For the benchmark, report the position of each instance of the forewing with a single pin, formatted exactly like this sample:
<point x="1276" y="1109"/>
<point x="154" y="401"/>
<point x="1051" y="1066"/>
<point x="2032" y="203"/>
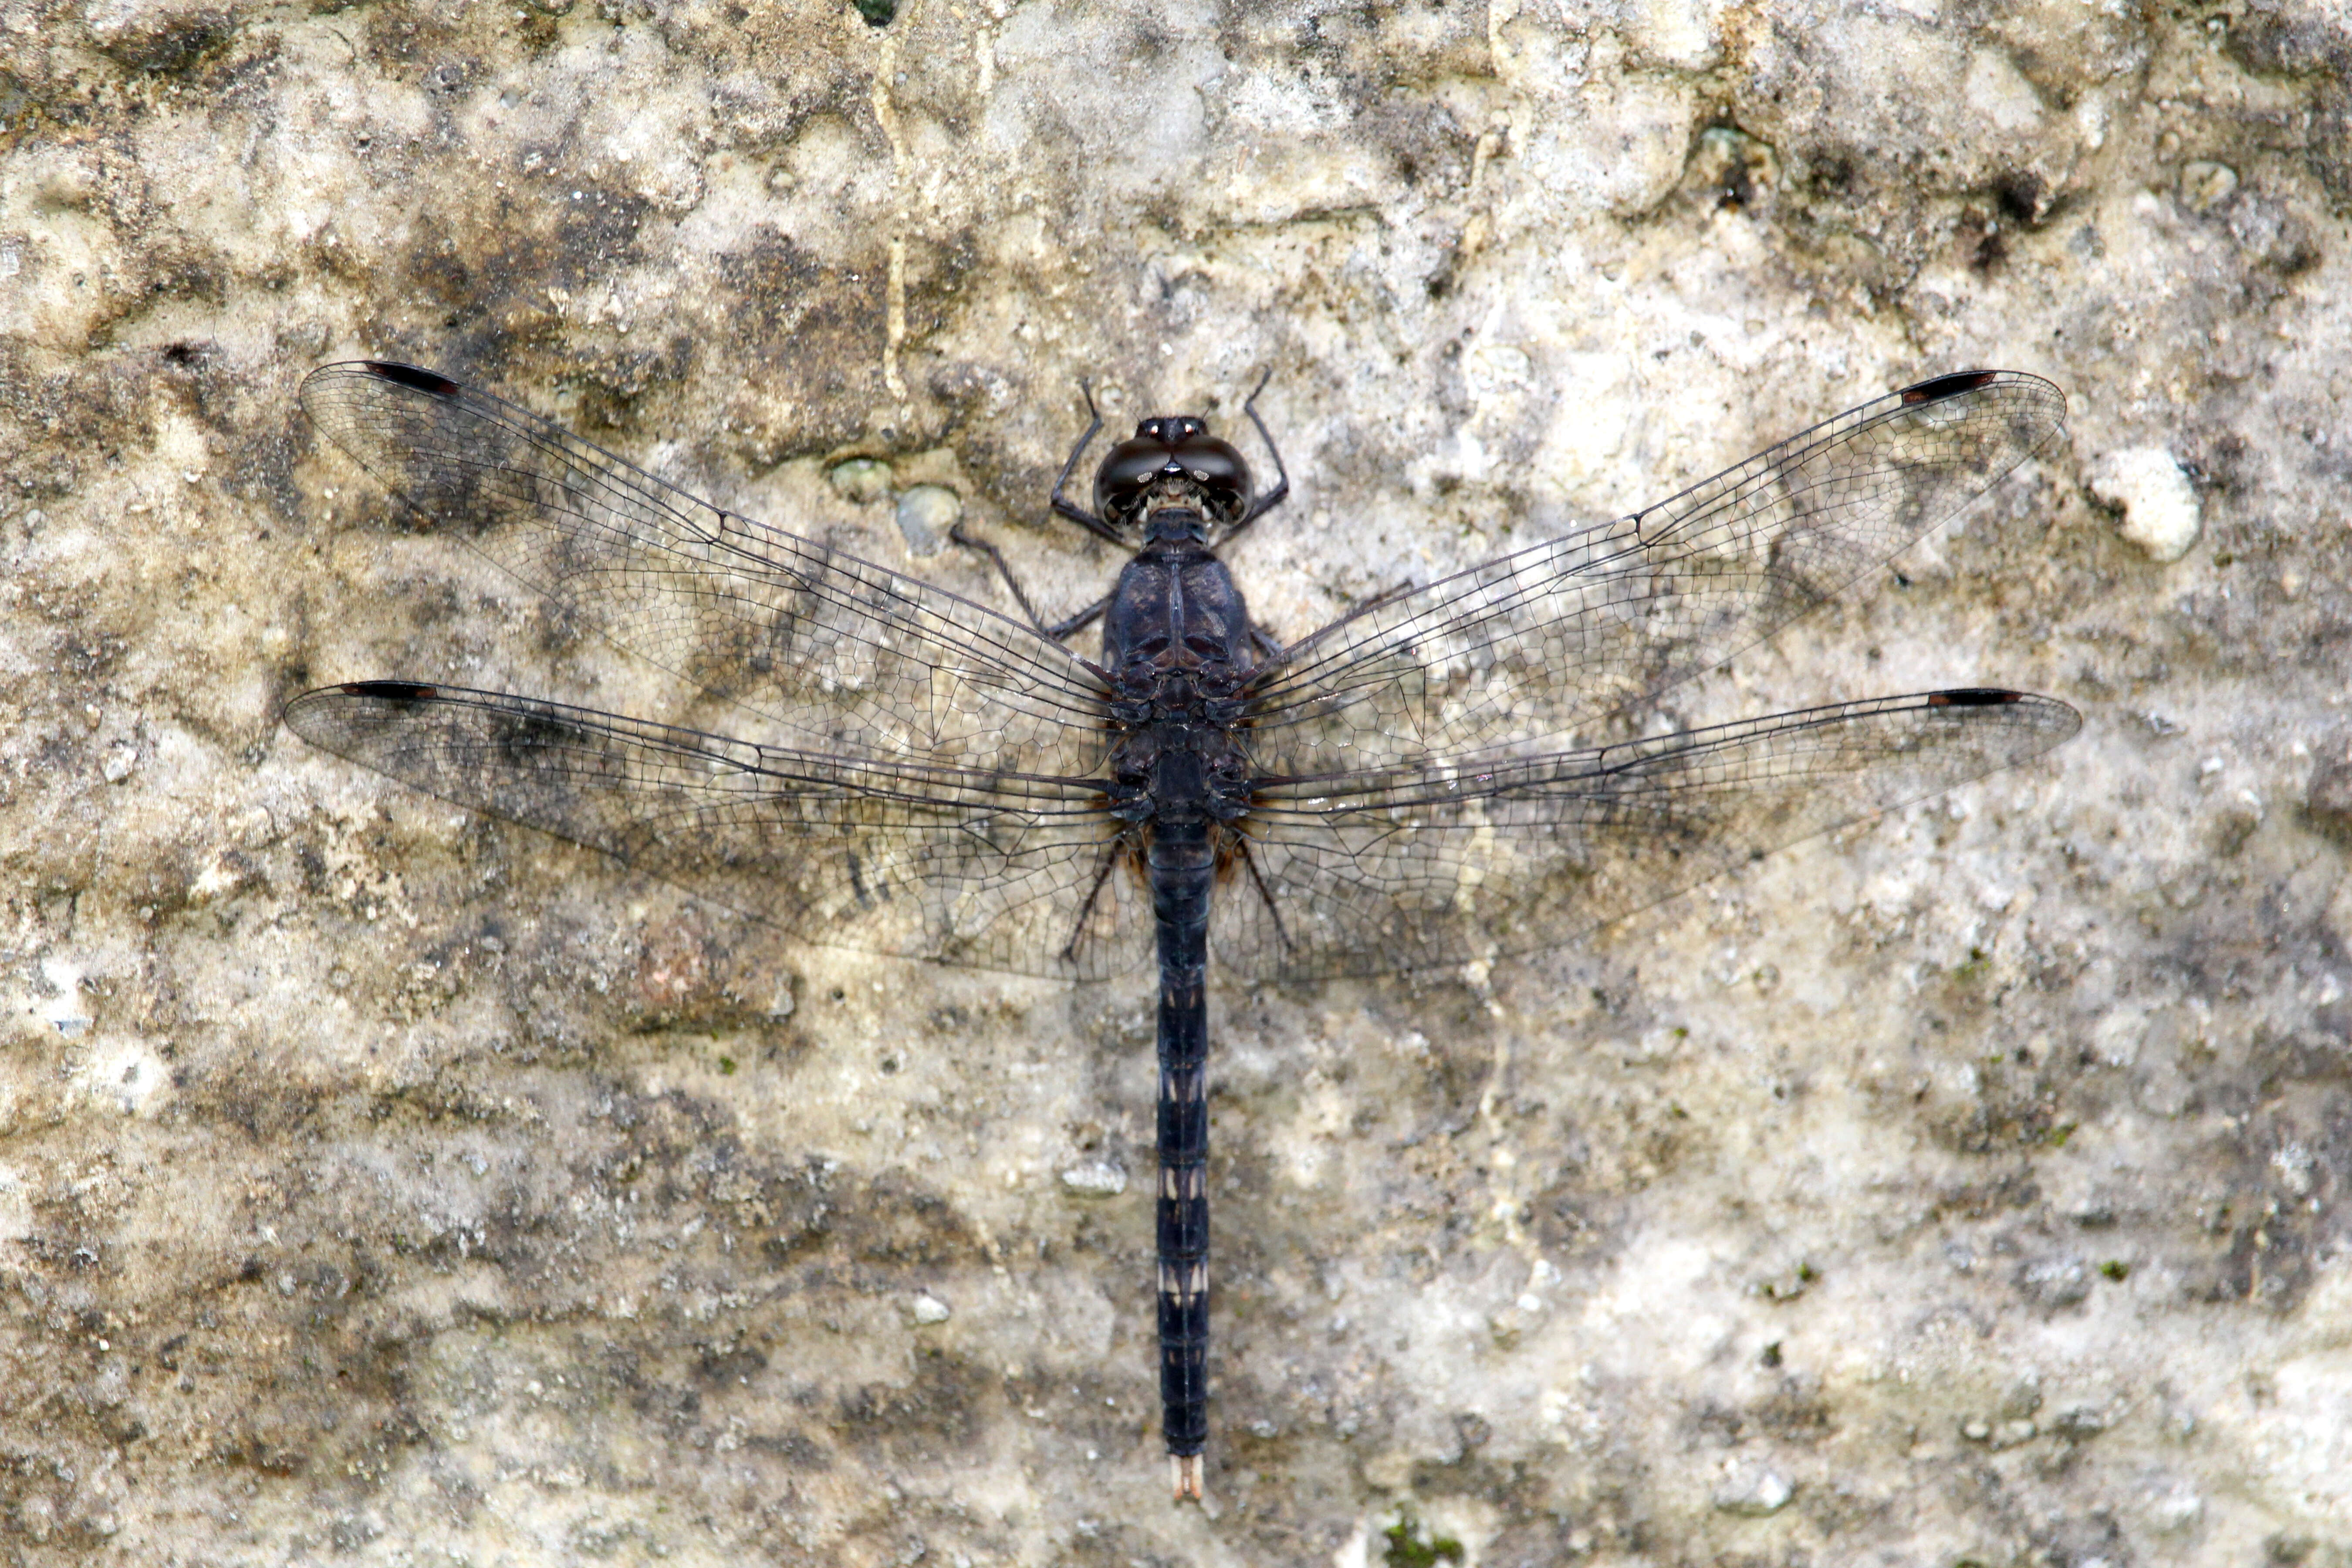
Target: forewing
<point x="834" y="652"/>
<point x="995" y="870"/>
<point x="1524" y="654"/>
<point x="1407" y="868"/>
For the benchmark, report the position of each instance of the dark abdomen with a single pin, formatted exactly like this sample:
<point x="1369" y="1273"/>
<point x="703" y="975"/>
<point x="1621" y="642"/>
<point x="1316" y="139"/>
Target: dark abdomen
<point x="1183" y="866"/>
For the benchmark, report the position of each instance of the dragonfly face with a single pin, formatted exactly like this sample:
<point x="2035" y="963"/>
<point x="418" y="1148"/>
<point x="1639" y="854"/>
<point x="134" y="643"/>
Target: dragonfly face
<point x="1171" y="460"/>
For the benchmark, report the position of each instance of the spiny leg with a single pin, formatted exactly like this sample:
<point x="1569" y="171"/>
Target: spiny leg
<point x="1063" y="506"/>
<point x="1057" y="630"/>
<point x="1264" y="893"/>
<point x="1281" y="491"/>
<point x="1086" y="911"/>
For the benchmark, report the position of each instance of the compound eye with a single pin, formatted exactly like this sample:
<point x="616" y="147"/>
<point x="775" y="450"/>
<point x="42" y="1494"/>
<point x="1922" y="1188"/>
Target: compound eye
<point x="1125" y="475"/>
<point x="1218" y="469"/>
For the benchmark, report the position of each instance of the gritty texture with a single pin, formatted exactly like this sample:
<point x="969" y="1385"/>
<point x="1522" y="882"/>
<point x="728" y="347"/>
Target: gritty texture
<point x="379" y="1184"/>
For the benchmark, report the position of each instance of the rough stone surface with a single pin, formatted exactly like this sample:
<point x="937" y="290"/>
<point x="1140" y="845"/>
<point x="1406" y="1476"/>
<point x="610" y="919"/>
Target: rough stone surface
<point x="380" y="1185"/>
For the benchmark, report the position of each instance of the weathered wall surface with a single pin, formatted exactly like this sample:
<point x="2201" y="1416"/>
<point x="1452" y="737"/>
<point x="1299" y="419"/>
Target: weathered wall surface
<point x="379" y="1184"/>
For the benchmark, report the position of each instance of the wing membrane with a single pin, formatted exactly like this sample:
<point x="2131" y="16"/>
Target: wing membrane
<point x="938" y="790"/>
<point x="1526" y="653"/>
<point x="834" y="652"/>
<point x="1413" y="868"/>
<point x="990" y="869"/>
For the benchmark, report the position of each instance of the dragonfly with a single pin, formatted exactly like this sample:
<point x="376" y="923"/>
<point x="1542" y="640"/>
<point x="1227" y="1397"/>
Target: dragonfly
<point x="1452" y="772"/>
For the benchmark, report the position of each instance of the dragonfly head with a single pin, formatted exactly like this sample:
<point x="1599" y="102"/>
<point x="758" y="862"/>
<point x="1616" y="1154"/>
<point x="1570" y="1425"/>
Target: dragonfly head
<point x="1171" y="461"/>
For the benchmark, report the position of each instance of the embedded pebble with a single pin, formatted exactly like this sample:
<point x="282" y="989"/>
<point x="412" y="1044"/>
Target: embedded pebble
<point x="2171" y="1512"/>
<point x="926" y="513"/>
<point x="861" y="479"/>
<point x="2056" y="1283"/>
<point x="2161" y="513"/>
<point x="1754" y="1495"/>
<point x="2080" y="1423"/>
<point x="1096" y="1179"/>
<point x="929" y="1309"/>
<point x="2205" y="185"/>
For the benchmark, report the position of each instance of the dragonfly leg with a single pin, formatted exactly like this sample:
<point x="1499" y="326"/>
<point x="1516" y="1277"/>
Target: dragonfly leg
<point x="1063" y="506"/>
<point x="1063" y="628"/>
<point x="1057" y="630"/>
<point x="1265" y="894"/>
<point x="1281" y="491"/>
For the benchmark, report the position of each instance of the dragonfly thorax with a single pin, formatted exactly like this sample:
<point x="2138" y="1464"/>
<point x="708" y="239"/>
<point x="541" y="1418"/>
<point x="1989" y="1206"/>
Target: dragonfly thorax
<point x="1180" y="771"/>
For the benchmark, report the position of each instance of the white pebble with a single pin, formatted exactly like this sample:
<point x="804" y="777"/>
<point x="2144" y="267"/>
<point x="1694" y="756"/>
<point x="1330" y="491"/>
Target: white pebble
<point x="1096" y="1179"/>
<point x="926" y="513"/>
<point x="2160" y="510"/>
<point x="1754" y="1496"/>
<point x="2173" y="1511"/>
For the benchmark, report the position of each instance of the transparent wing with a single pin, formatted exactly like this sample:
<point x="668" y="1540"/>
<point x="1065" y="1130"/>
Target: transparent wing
<point x="1413" y="868"/>
<point x="1526" y="653"/>
<point x="832" y="652"/>
<point x="991" y="870"/>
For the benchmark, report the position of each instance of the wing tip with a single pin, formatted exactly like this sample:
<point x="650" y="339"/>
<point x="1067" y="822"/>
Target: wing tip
<point x="1937" y="388"/>
<point x="306" y="714"/>
<point x="433" y="383"/>
<point x="2054" y="721"/>
<point x="388" y="690"/>
<point x="2019" y="384"/>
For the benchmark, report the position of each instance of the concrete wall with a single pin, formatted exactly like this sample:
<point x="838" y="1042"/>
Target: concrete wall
<point x="380" y="1184"/>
